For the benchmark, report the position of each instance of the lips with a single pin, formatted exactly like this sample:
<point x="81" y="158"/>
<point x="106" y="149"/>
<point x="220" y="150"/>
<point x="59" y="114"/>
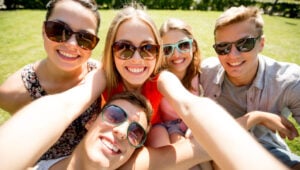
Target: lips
<point x="178" y="61"/>
<point x="67" y="55"/>
<point x="110" y="146"/>
<point x="235" y="64"/>
<point x="136" y="70"/>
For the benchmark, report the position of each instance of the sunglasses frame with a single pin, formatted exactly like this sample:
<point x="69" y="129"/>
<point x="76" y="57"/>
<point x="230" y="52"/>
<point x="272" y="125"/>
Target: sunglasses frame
<point x="144" y="137"/>
<point x="78" y="35"/>
<point x="239" y="47"/>
<point x="133" y="49"/>
<point x="176" y="45"/>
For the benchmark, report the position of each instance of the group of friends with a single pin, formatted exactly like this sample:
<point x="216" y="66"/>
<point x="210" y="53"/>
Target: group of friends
<point x="151" y="102"/>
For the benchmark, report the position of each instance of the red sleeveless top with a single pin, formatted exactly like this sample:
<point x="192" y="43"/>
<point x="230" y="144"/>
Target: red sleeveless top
<point x="149" y="90"/>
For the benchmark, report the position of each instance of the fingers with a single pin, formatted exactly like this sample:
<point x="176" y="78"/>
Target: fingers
<point x="291" y="131"/>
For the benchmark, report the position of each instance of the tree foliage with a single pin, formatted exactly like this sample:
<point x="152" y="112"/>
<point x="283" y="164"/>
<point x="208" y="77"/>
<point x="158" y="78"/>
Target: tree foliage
<point x="283" y="8"/>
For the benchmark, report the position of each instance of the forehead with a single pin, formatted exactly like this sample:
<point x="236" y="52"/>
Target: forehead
<point x="74" y="14"/>
<point x="174" y="36"/>
<point x="235" y="31"/>
<point x="136" y="31"/>
<point x="135" y="113"/>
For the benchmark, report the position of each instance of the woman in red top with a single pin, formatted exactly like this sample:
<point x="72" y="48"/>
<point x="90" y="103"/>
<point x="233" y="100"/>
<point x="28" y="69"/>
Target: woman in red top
<point x="133" y="62"/>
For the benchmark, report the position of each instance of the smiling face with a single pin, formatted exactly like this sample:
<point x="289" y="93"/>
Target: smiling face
<point x="135" y="71"/>
<point x="68" y="55"/>
<point x="240" y="67"/>
<point x="106" y="145"/>
<point x="178" y="62"/>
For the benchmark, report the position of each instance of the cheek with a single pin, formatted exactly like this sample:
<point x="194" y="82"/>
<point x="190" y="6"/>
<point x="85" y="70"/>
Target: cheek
<point x="118" y="64"/>
<point x="151" y="64"/>
<point x="86" y="53"/>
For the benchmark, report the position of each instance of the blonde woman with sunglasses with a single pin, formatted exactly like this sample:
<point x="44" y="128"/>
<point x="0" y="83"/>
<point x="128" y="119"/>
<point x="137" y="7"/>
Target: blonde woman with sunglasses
<point x="70" y="34"/>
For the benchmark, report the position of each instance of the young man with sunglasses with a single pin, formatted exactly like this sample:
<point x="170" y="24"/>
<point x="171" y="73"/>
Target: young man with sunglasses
<point x="113" y="136"/>
<point x="245" y="82"/>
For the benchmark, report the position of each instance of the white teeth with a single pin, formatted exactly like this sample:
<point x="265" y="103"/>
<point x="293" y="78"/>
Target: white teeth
<point x="136" y="70"/>
<point x="178" y="61"/>
<point x="68" y="55"/>
<point x="110" y="145"/>
<point x="236" y="63"/>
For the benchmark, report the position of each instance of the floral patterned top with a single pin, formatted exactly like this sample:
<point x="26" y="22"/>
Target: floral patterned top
<point x="75" y="132"/>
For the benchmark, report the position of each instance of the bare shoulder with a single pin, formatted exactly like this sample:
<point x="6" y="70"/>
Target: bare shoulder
<point x="13" y="94"/>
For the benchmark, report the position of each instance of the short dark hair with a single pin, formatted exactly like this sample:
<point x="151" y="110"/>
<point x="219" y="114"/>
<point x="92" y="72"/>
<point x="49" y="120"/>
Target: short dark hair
<point x="89" y="4"/>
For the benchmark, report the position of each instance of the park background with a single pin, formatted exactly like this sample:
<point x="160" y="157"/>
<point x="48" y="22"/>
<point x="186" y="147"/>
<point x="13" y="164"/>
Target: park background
<point x="21" y="33"/>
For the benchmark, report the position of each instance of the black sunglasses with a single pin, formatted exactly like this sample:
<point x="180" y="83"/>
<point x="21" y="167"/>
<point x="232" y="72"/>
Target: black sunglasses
<point x="245" y="44"/>
<point x="61" y="32"/>
<point x="182" y="46"/>
<point x="115" y="115"/>
<point x="125" y="50"/>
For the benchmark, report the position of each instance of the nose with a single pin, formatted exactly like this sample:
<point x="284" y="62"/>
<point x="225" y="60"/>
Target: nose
<point x="121" y="131"/>
<point x="72" y="40"/>
<point x="176" y="52"/>
<point x="234" y="52"/>
<point x="137" y="55"/>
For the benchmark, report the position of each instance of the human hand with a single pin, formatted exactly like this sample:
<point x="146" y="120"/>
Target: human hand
<point x="271" y="121"/>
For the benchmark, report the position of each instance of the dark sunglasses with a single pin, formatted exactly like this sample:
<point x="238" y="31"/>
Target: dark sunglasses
<point x="61" y="32"/>
<point x="115" y="115"/>
<point x="181" y="46"/>
<point x="245" y="44"/>
<point x="125" y="50"/>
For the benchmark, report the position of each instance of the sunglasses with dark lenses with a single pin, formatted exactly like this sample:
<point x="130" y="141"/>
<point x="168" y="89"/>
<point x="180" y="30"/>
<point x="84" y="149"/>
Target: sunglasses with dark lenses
<point x="182" y="46"/>
<point x="115" y="115"/>
<point x="245" y="44"/>
<point x="60" y="32"/>
<point x="125" y="50"/>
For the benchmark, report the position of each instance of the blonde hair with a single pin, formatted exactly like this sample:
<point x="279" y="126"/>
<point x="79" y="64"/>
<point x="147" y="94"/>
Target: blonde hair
<point x="112" y="75"/>
<point x="194" y="68"/>
<point x="238" y="14"/>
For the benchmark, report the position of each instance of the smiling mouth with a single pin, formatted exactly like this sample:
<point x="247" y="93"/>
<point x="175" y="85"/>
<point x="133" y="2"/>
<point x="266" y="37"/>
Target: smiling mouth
<point x="136" y="70"/>
<point x="110" y="146"/>
<point x="235" y="64"/>
<point x="67" y="55"/>
<point x="178" y="61"/>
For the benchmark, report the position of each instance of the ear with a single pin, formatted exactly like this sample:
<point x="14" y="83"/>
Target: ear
<point x="194" y="46"/>
<point x="89" y="124"/>
<point x="261" y="43"/>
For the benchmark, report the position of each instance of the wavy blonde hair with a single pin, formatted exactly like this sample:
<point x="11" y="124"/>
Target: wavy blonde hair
<point x="194" y="67"/>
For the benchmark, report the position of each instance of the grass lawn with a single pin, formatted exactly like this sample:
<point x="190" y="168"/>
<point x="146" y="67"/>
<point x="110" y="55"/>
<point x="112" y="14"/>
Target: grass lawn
<point x="21" y="39"/>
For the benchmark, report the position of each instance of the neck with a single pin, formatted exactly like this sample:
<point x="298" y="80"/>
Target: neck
<point x="132" y="88"/>
<point x="179" y="74"/>
<point x="55" y="80"/>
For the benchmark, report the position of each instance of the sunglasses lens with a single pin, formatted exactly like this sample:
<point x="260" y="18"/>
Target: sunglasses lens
<point x="136" y="134"/>
<point x="184" y="46"/>
<point x="168" y="50"/>
<point x="222" y="48"/>
<point x="123" y="50"/>
<point x="245" y="44"/>
<point x="86" y="40"/>
<point x="149" y="51"/>
<point x="56" y="31"/>
<point x="114" y="115"/>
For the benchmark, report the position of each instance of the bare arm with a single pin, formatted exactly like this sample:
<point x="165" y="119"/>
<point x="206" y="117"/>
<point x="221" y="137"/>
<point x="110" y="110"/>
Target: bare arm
<point x="37" y="126"/>
<point x="180" y="155"/>
<point x="13" y="94"/>
<point x="272" y="121"/>
<point x="215" y="129"/>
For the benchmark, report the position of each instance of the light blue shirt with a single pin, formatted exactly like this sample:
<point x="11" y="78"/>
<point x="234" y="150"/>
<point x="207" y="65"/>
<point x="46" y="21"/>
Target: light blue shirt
<point x="275" y="89"/>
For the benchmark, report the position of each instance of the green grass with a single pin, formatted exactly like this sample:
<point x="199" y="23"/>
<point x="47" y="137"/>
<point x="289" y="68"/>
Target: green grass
<point x="21" y="39"/>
